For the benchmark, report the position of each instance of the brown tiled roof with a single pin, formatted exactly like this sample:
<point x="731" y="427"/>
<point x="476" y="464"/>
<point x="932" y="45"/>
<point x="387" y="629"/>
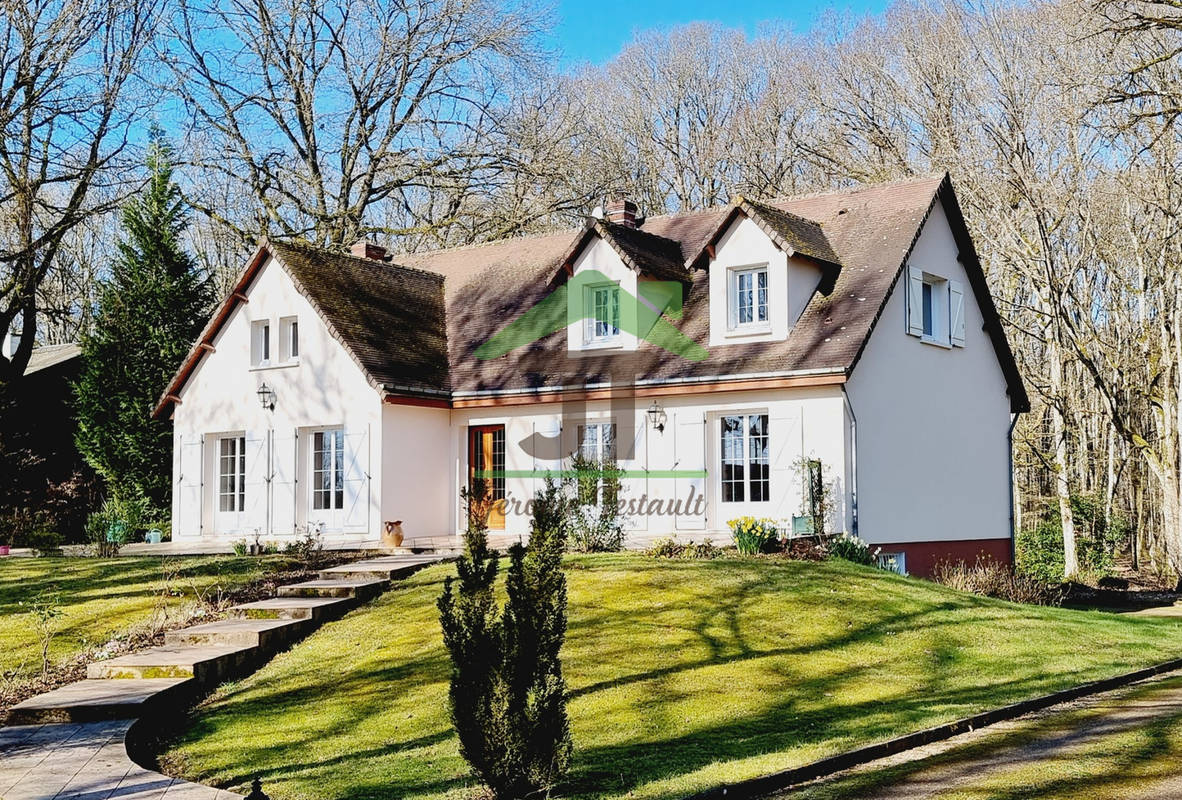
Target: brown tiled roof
<point x="803" y="236"/>
<point x="400" y="321"/>
<point x="390" y="318"/>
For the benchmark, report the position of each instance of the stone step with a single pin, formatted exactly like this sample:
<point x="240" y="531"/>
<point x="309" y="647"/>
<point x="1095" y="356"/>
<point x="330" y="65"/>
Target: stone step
<point x="316" y="609"/>
<point x="208" y="664"/>
<point x="270" y="635"/>
<point x="360" y="590"/>
<point x="94" y="700"/>
<point x="378" y="568"/>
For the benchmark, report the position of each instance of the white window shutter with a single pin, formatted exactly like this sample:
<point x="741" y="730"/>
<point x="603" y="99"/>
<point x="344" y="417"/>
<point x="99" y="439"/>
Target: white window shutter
<point x="690" y="453"/>
<point x="356" y="511"/>
<point x="258" y="470"/>
<point x="283" y="482"/>
<point x="915" y="301"/>
<point x="188" y="522"/>
<point x="956" y="313"/>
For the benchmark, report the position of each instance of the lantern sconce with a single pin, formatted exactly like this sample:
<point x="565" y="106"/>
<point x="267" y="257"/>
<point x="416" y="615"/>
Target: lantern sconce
<point x="657" y="417"/>
<point x="267" y="397"/>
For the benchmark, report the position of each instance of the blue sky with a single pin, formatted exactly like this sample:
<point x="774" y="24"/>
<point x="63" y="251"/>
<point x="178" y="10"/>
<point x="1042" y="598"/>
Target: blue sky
<point x="595" y="31"/>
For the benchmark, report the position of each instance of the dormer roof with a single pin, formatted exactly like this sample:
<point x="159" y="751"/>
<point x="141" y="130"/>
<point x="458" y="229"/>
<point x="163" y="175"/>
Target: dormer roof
<point x="641" y="251"/>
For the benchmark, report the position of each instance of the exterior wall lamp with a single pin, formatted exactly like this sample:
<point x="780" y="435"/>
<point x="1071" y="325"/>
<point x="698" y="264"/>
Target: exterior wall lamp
<point x="267" y="396"/>
<point x="657" y="416"/>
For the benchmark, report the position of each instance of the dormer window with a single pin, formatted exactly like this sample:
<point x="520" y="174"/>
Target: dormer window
<point x="602" y="319"/>
<point x="748" y="298"/>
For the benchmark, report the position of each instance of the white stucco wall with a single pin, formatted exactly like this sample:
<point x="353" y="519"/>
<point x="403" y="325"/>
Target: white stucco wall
<point x="416" y="470"/>
<point x="807" y="421"/>
<point x="932" y="422"/>
<point x="326" y="388"/>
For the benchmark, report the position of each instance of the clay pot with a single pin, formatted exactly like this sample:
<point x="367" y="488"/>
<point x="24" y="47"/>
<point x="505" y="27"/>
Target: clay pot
<point x="392" y="535"/>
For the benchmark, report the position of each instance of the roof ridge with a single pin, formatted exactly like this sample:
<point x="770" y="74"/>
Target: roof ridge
<point x="490" y="243"/>
<point x="714" y="209"/>
<point x="367" y="261"/>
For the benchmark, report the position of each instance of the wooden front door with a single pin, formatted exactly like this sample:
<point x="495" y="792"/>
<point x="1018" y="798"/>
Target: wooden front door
<point x="486" y="454"/>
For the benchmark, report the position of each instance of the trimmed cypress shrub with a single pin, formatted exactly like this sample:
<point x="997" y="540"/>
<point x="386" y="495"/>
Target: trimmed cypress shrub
<point x="507" y="694"/>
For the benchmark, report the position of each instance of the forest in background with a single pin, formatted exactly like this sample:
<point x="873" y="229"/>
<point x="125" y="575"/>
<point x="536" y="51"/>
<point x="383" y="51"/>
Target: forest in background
<point x="444" y="122"/>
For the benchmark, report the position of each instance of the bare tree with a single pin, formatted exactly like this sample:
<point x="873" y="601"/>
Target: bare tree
<point x="324" y="109"/>
<point x="65" y="116"/>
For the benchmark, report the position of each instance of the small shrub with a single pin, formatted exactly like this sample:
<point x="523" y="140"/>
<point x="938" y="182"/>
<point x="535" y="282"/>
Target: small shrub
<point x="989" y="578"/>
<point x="46" y="608"/>
<point x="240" y="547"/>
<point x="753" y="535"/>
<point x="308" y="549"/>
<point x="46" y="542"/>
<point x="804" y="549"/>
<point x="592" y="501"/>
<point x="851" y="548"/>
<point x="669" y="547"/>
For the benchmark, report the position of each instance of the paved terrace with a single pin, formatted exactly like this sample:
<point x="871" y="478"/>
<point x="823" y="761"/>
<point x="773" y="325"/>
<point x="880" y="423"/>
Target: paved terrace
<point x="72" y="742"/>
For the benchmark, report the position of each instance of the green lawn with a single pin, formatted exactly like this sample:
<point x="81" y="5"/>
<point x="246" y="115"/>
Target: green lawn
<point x="683" y="675"/>
<point x="1085" y="754"/>
<point x="101" y="597"/>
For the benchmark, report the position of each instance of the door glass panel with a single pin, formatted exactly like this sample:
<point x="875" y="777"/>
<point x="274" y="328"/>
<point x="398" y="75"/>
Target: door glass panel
<point x="231" y="474"/>
<point x="732" y="460"/>
<point x="328" y="470"/>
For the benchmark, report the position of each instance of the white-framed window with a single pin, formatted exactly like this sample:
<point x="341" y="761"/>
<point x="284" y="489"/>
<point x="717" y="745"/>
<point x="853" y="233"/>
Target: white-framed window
<point x="260" y="343"/>
<point x="602" y="314"/>
<point x="745" y="466"/>
<point x="289" y="339"/>
<point x="747" y="298"/>
<point x="935" y="308"/>
<point x="328" y="469"/>
<point x="232" y="474"/>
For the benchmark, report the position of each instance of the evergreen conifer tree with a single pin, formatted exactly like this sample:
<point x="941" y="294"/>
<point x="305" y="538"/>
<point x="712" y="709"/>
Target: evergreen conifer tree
<point x="508" y="696"/>
<point x="152" y="307"/>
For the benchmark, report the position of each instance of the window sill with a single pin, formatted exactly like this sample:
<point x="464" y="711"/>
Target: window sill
<point x="745" y="331"/>
<point x="944" y="345"/>
<point x="607" y="344"/>
<point x="284" y="365"/>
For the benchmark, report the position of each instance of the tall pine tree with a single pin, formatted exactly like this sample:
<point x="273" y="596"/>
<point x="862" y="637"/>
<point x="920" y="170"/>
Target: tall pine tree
<point x="151" y="309"/>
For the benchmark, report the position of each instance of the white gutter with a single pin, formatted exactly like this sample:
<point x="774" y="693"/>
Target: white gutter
<point x="796" y="373"/>
<point x="854" y="462"/>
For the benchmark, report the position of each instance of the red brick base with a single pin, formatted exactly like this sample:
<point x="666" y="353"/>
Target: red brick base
<point x="922" y="557"/>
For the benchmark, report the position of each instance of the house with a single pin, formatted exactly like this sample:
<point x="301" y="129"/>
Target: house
<point x="755" y="359"/>
<point x="42" y="469"/>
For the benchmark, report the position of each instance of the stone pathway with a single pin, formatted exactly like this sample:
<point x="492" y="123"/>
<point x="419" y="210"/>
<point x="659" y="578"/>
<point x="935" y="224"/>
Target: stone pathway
<point x="70" y="742"/>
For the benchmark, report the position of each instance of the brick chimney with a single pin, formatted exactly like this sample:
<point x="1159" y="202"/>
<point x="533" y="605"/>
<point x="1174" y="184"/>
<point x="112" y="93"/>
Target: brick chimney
<point x="620" y="211"/>
<point x="364" y="248"/>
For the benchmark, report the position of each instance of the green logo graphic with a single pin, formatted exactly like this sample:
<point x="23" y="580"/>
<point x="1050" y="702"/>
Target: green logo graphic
<point x="646" y="317"/>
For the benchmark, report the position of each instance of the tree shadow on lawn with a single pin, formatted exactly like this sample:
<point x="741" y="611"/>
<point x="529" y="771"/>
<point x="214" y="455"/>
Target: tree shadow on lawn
<point x="1044" y="758"/>
<point x="781" y="728"/>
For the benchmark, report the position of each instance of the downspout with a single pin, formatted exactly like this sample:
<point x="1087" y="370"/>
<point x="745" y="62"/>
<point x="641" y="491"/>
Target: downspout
<point x="854" y="462"/>
<point x="1010" y="455"/>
